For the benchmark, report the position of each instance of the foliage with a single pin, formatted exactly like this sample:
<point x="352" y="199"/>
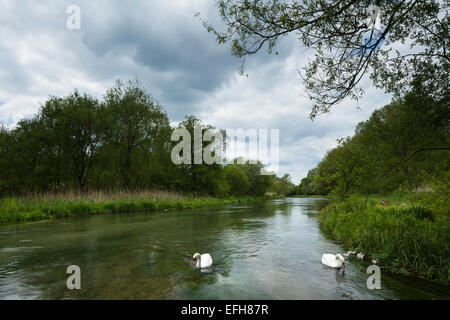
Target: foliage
<point x="138" y="130"/>
<point x="348" y="43"/>
<point x="283" y="185"/>
<point x="237" y="180"/>
<point x="403" y="146"/>
<point x="123" y="142"/>
<point x="259" y="184"/>
<point x="72" y="204"/>
<point x="406" y="236"/>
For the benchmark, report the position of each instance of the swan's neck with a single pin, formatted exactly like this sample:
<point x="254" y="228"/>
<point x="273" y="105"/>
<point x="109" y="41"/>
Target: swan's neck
<point x="198" y="262"/>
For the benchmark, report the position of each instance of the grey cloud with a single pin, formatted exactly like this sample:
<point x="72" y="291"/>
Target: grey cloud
<point x="168" y="50"/>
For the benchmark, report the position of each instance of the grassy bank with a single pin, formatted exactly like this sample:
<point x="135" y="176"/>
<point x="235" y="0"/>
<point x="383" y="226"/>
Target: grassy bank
<point x="408" y="234"/>
<point x="308" y="196"/>
<point x="50" y="206"/>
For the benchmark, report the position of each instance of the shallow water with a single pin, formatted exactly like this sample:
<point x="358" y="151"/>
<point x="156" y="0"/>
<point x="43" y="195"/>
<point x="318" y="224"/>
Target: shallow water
<point x="270" y="250"/>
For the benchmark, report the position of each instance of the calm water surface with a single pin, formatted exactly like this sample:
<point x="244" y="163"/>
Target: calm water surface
<point x="270" y="250"/>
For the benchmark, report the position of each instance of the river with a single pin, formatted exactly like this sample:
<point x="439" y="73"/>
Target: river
<point x="269" y="250"/>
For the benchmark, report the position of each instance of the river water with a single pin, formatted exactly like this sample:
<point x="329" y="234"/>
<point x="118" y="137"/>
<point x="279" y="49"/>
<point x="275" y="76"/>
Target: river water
<point x="269" y="250"/>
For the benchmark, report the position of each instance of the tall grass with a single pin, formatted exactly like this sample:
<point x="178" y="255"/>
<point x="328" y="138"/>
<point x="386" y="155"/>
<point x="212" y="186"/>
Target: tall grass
<point x="407" y="238"/>
<point x="65" y="205"/>
<point x="101" y="196"/>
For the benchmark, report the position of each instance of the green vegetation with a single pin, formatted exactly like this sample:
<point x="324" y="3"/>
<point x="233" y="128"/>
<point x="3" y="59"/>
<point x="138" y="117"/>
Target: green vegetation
<point x="404" y="146"/>
<point x="308" y="186"/>
<point x="123" y="142"/>
<point x="82" y="156"/>
<point x="283" y="186"/>
<point x="402" y="151"/>
<point x="338" y="32"/>
<point x="50" y="206"/>
<point x="402" y="232"/>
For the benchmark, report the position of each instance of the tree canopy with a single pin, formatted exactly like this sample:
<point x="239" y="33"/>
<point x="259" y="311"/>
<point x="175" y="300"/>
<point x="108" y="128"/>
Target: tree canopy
<point x="402" y="44"/>
<point x="121" y="142"/>
<point x="402" y="146"/>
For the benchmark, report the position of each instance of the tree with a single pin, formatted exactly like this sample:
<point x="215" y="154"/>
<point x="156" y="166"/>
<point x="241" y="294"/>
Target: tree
<point x="413" y="131"/>
<point x="350" y="39"/>
<point x="259" y="184"/>
<point x="308" y="185"/>
<point x="5" y="161"/>
<point x="403" y="145"/>
<point x="284" y="185"/>
<point x="32" y="158"/>
<point x="201" y="177"/>
<point x="237" y="180"/>
<point x="72" y="125"/>
<point x="137" y="122"/>
<point x="78" y="143"/>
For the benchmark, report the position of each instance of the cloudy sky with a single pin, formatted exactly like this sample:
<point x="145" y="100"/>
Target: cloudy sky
<point x="163" y="45"/>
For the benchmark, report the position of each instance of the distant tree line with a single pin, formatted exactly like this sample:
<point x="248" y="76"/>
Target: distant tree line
<point x="81" y="143"/>
<point x="403" y="146"/>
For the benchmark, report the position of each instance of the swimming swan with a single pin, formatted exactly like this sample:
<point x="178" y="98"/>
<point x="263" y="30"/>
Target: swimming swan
<point x="333" y="260"/>
<point x="202" y="261"/>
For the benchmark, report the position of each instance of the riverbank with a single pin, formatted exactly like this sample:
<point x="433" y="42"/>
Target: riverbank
<point x="308" y="196"/>
<point x="408" y="235"/>
<point x="152" y="253"/>
<point x="52" y="206"/>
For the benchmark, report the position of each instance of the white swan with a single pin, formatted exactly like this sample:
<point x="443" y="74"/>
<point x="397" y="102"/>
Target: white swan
<point x="333" y="260"/>
<point x="360" y="255"/>
<point x="202" y="261"/>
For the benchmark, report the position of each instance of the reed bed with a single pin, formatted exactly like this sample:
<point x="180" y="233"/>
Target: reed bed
<point x="102" y="196"/>
<point x="70" y="204"/>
